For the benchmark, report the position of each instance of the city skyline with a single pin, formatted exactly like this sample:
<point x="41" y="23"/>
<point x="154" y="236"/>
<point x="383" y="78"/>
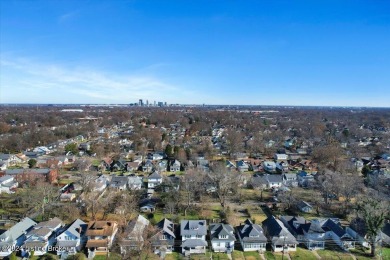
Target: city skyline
<point x="332" y="53"/>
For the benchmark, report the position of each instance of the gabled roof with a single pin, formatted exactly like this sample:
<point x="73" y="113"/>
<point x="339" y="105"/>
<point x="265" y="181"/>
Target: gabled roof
<point x="330" y="225"/>
<point x="166" y="226"/>
<point x="193" y="227"/>
<point x="77" y="228"/>
<point x="154" y="175"/>
<point x="250" y="232"/>
<point x="52" y="223"/>
<point x="220" y="229"/>
<point x="17" y="230"/>
<point x="194" y="243"/>
<point x="277" y="232"/>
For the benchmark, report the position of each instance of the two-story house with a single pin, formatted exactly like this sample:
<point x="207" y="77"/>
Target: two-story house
<point x="100" y="235"/>
<point x="310" y="233"/>
<point x="134" y="183"/>
<point x="222" y="237"/>
<point x="163" y="240"/>
<point x="334" y="230"/>
<point x="154" y="180"/>
<point x="15" y="236"/>
<point x="133" y="238"/>
<point x="174" y="166"/>
<point x="72" y="239"/>
<point x="193" y="235"/>
<point x="42" y="237"/>
<point x="7" y="184"/>
<point x="281" y="239"/>
<point x="251" y="236"/>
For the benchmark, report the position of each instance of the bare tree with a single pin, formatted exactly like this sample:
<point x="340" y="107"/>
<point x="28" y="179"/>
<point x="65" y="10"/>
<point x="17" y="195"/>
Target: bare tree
<point x="225" y="182"/>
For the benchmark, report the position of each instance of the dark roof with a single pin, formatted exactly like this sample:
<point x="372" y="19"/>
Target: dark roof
<point x="166" y="226"/>
<point x="330" y="225"/>
<point x="220" y="229"/>
<point x="277" y="232"/>
<point x="154" y="175"/>
<point x="250" y="232"/>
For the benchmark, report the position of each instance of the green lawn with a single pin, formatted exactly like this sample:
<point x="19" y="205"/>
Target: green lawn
<point x="252" y="256"/>
<point x="174" y="256"/>
<point x="333" y="255"/>
<point x="269" y="256"/>
<point x="238" y="255"/>
<point x="302" y="254"/>
<point x="220" y="256"/>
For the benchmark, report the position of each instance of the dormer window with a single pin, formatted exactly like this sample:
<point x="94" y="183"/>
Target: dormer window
<point x="164" y="237"/>
<point x="223" y="236"/>
<point x="254" y="236"/>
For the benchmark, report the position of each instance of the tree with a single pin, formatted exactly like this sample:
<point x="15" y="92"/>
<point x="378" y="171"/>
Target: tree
<point x="169" y="150"/>
<point x="225" y="182"/>
<point x="32" y="163"/>
<point x="72" y="147"/>
<point x="373" y="211"/>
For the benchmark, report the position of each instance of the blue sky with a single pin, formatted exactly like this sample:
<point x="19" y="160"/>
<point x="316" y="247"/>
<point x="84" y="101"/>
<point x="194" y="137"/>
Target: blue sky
<point x="334" y="53"/>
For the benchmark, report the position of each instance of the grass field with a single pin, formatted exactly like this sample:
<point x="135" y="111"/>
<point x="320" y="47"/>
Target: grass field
<point x="238" y="255"/>
<point x="333" y="255"/>
<point x="302" y="254"/>
<point x="252" y="256"/>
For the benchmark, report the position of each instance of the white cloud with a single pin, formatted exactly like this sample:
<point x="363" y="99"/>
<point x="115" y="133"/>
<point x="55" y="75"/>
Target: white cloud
<point x="84" y="84"/>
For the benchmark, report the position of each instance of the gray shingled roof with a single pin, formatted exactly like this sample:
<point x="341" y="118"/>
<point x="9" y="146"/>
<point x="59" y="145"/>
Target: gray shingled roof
<point x="277" y="232"/>
<point x="220" y="229"/>
<point x="193" y="227"/>
<point x="250" y="232"/>
<point x="17" y="230"/>
<point x="193" y="243"/>
<point x="167" y="226"/>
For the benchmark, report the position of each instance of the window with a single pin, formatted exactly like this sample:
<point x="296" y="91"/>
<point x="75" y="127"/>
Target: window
<point x="164" y="237"/>
<point x="223" y="236"/>
<point x="187" y="236"/>
<point x="198" y="236"/>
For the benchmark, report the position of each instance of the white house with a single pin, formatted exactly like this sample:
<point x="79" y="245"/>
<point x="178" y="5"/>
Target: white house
<point x="154" y="180"/>
<point x="7" y="183"/>
<point x="41" y="237"/>
<point x="251" y="237"/>
<point x="71" y="239"/>
<point x="281" y="239"/>
<point x="193" y="234"/>
<point x="269" y="166"/>
<point x="222" y="237"/>
<point x="15" y="236"/>
<point x="280" y="157"/>
<point x="134" y="183"/>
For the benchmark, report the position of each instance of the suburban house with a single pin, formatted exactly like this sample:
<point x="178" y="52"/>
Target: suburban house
<point x="164" y="239"/>
<point x="162" y="165"/>
<point x="280" y="157"/>
<point x="67" y="197"/>
<point x="251" y="237"/>
<point x="10" y="159"/>
<point x="269" y="166"/>
<point x="101" y="183"/>
<point x="281" y="239"/>
<point x="290" y="179"/>
<point x="148" y="166"/>
<point x="154" y="180"/>
<point x="193" y="235"/>
<point x="310" y="233"/>
<point x="304" y="179"/>
<point x="41" y="237"/>
<point x="156" y="156"/>
<point x="134" y="183"/>
<point x="15" y="236"/>
<point x="242" y="166"/>
<point x="100" y="235"/>
<point x="282" y="166"/>
<point x="174" y="166"/>
<point x="304" y="206"/>
<point x="337" y="233"/>
<point x="7" y="184"/>
<point x="133" y="166"/>
<point x="203" y="164"/>
<point x="274" y="180"/>
<point x="32" y="175"/>
<point x="134" y="235"/>
<point x="222" y="237"/>
<point x="119" y="182"/>
<point x="72" y="239"/>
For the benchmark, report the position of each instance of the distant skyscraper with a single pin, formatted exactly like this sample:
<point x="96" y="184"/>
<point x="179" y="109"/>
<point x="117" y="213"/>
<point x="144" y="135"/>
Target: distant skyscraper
<point x="140" y="103"/>
<point x="165" y="103"/>
<point x="154" y="102"/>
<point x="160" y="104"/>
<point x="147" y="102"/>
